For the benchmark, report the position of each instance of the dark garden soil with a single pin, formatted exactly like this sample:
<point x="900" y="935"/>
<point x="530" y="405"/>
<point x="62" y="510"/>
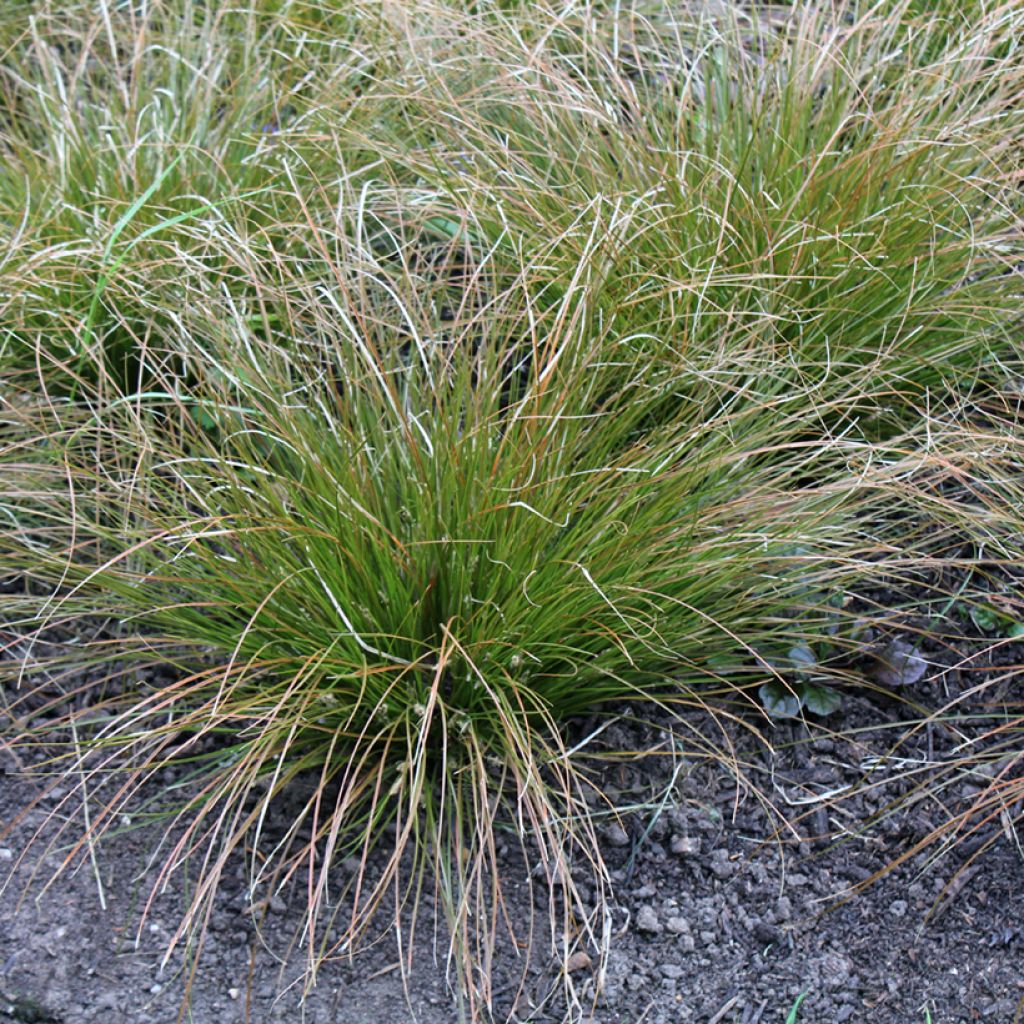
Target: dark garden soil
<point x="711" y="923"/>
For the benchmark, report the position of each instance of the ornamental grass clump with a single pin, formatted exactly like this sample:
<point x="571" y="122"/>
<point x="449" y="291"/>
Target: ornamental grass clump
<point x="132" y="142"/>
<point x="836" y="187"/>
<point x="390" y="563"/>
<point x="538" y="375"/>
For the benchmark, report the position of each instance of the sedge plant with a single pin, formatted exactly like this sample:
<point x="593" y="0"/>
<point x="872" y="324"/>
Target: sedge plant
<point x="839" y="185"/>
<point x="130" y="142"/>
<point x="397" y="558"/>
<point x="543" y="383"/>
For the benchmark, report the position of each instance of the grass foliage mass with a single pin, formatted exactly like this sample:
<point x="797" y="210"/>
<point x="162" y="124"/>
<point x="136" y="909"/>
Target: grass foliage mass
<point x="384" y="387"/>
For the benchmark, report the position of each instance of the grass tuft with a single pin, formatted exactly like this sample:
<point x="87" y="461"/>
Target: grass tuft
<point x="411" y="386"/>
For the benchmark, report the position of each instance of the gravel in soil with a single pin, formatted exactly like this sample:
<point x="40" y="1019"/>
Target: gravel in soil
<point x="719" y="915"/>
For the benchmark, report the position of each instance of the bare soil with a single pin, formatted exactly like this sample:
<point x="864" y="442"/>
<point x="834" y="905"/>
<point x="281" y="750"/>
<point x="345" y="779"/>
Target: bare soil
<point x="718" y="918"/>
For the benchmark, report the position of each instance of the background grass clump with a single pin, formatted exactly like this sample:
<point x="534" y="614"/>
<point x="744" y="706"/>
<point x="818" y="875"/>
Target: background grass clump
<point x="833" y="198"/>
<point x="412" y="382"/>
<point x="130" y="144"/>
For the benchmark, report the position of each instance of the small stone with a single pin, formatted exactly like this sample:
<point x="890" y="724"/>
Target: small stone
<point x="721" y="867"/>
<point x="1002" y="1009"/>
<point x="6" y="854"/>
<point x="156" y="988"/>
<point x="766" y="934"/>
<point x="233" y="993"/>
<point x="898" y="908"/>
<point x="616" y="835"/>
<point x="673" y="971"/>
<point x="579" y="961"/>
<point x="835" y="970"/>
<point x="637" y="982"/>
<point x="277" y="905"/>
<point x="647" y="920"/>
<point x="854" y="872"/>
<point x="685" y="846"/>
<point x="678" y="925"/>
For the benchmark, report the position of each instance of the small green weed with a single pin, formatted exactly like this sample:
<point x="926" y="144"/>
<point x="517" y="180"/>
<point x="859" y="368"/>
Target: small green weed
<point x="791" y="1017"/>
